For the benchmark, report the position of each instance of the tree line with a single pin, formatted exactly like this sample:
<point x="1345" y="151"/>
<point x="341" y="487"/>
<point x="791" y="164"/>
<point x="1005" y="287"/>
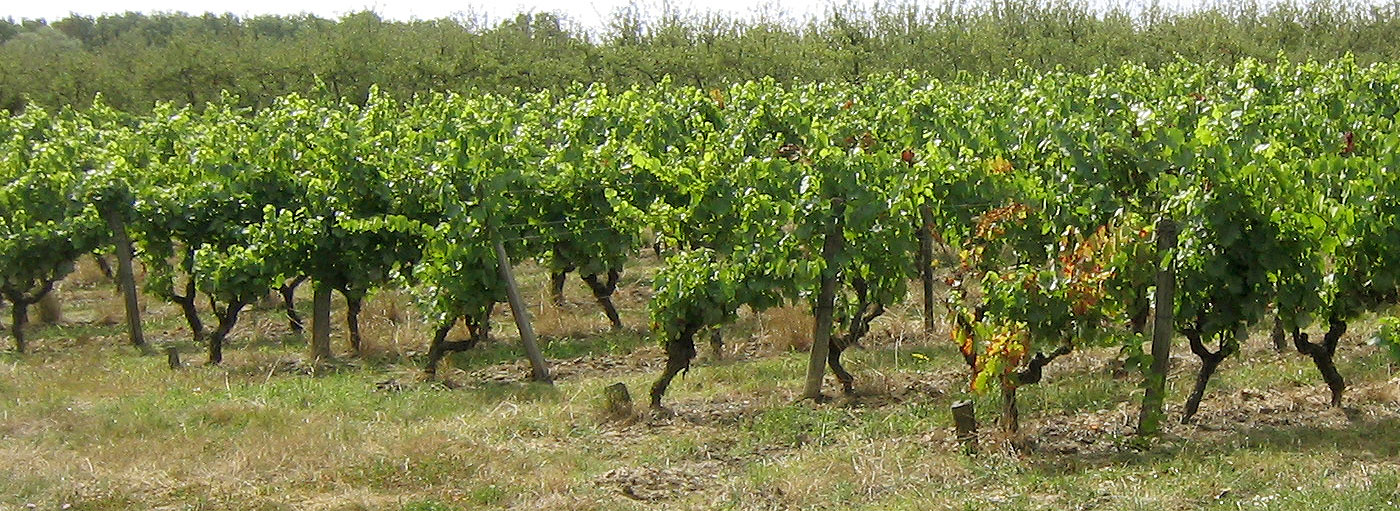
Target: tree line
<point x="134" y="60"/>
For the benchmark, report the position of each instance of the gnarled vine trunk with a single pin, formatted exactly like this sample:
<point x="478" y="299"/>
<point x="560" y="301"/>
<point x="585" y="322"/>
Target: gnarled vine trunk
<point x="353" y="303"/>
<point x="717" y="344"/>
<point x="19" y="318"/>
<point x="1010" y="415"/>
<point x="321" y="322"/>
<point x="1209" y="362"/>
<point x="288" y="291"/>
<point x="1031" y="375"/>
<point x="556" y="287"/>
<point x="190" y="310"/>
<point x="602" y="292"/>
<point x="227" y="318"/>
<point x="858" y="325"/>
<point x="832" y="243"/>
<point x="1322" y="355"/>
<point x="19" y="310"/>
<point x="679" y="352"/>
<point x="926" y="266"/>
<point x="478" y="329"/>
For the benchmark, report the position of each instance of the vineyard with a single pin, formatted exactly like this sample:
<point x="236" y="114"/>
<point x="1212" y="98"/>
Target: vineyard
<point x="972" y="243"/>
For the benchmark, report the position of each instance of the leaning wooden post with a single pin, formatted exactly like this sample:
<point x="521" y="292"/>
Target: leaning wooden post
<point x="521" y="313"/>
<point x="1155" y="383"/>
<point x="127" y="280"/>
<point x="826" y="301"/>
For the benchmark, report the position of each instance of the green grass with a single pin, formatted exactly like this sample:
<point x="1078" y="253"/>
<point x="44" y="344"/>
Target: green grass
<point x="96" y="426"/>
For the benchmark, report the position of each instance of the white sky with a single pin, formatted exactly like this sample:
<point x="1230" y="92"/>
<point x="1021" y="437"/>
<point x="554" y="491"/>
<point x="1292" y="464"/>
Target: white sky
<point x="589" y="13"/>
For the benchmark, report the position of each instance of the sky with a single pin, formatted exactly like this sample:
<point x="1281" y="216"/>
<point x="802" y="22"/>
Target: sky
<point x="589" y="13"/>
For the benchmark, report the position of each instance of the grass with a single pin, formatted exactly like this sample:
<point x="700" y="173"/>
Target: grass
<point x="85" y="422"/>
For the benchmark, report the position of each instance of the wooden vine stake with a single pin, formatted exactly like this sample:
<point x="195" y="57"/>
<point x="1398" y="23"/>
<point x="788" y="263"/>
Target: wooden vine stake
<point x="1155" y="383"/>
<point x="127" y="280"/>
<point x="540" y="368"/>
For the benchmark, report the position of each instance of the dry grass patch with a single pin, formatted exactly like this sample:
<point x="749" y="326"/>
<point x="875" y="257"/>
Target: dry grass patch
<point x="785" y="329"/>
<point x="87" y="273"/>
